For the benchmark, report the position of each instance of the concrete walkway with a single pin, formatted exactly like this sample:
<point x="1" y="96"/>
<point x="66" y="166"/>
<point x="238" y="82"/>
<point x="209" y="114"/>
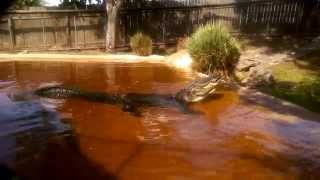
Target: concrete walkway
<point x="127" y="58"/>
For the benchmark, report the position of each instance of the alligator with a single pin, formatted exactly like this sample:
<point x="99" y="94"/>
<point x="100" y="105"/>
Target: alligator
<point x="131" y="102"/>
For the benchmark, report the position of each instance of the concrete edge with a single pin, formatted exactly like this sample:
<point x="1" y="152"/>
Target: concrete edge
<point x="281" y="106"/>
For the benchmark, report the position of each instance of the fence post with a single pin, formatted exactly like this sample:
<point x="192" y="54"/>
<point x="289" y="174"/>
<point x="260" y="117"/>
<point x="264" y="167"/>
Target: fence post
<point x="11" y="32"/>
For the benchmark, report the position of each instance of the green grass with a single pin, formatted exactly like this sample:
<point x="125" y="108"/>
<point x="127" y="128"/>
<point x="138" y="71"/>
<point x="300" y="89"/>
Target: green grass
<point x="298" y="82"/>
<point x="290" y="72"/>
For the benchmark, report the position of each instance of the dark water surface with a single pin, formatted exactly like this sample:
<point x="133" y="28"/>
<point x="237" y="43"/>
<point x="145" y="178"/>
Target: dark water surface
<point x="75" y="139"/>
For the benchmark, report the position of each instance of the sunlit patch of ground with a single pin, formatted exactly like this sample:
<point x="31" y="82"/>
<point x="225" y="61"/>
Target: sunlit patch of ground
<point x="180" y="59"/>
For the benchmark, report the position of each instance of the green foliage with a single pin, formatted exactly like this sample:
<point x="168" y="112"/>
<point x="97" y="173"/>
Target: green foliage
<point x="81" y="4"/>
<point x="141" y="44"/>
<point x="73" y="4"/>
<point x="213" y="49"/>
<point x="19" y="4"/>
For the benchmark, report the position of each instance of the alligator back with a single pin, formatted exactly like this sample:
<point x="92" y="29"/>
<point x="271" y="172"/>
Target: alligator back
<point x="62" y="92"/>
<point x="58" y="92"/>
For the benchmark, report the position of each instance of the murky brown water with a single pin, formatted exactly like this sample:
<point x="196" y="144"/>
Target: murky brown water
<point x="76" y="139"/>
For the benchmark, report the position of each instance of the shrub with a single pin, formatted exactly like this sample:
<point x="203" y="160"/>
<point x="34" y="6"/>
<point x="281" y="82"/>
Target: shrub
<point x="141" y="44"/>
<point x="213" y="50"/>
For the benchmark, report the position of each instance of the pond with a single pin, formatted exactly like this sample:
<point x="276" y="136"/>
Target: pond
<point x="43" y="138"/>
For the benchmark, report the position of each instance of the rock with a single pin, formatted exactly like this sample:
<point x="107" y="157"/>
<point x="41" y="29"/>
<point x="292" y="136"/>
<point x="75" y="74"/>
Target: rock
<point x="254" y="66"/>
<point x="259" y="77"/>
<point x="241" y="76"/>
<point x="21" y="111"/>
<point x="246" y="65"/>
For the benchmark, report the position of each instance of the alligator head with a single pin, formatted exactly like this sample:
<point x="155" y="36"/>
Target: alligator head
<point x="198" y="90"/>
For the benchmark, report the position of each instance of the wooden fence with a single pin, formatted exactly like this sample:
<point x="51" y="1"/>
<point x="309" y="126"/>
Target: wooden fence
<point x="52" y="30"/>
<point x="163" y="20"/>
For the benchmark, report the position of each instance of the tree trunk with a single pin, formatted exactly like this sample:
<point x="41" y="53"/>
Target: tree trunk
<point x="112" y="7"/>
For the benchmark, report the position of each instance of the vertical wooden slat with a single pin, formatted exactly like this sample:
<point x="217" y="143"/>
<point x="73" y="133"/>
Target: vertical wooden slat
<point x="254" y="13"/>
<point x="258" y="11"/>
<point x="68" y="29"/>
<point x="273" y="14"/>
<point x="125" y="29"/>
<point x="55" y="35"/>
<point x="289" y="6"/>
<point x="11" y="33"/>
<point x="268" y="12"/>
<point x="247" y="14"/>
<point x="240" y="18"/>
<point x="263" y="17"/>
<point x="276" y="15"/>
<point x="43" y="33"/>
<point x="163" y="26"/>
<point x="291" y="10"/>
<point x="84" y="37"/>
<point x="294" y="12"/>
<point x="280" y="13"/>
<point x="286" y="13"/>
<point x="75" y="32"/>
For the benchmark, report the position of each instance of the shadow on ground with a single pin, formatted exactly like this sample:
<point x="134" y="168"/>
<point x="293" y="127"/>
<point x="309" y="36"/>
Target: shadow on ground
<point x="253" y="97"/>
<point x="275" y="44"/>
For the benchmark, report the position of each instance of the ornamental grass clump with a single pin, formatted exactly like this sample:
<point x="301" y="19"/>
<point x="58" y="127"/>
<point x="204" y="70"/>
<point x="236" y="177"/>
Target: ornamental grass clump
<point x="213" y="50"/>
<point x="141" y="44"/>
